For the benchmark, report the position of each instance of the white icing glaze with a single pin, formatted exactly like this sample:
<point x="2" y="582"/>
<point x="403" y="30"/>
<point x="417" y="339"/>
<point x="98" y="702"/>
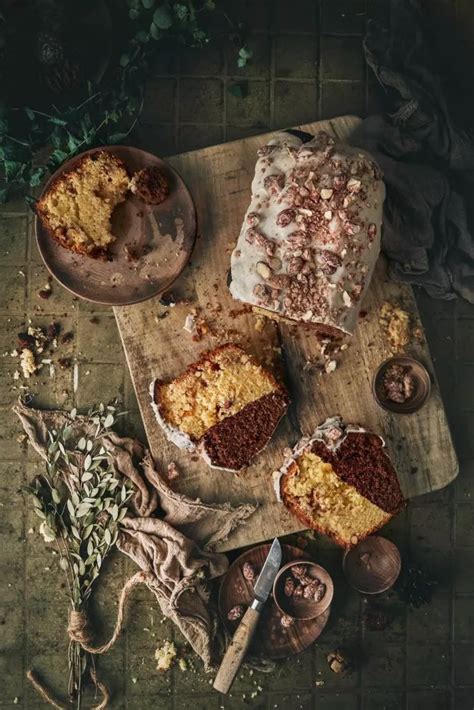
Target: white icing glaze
<point x="319" y="434"/>
<point x="176" y="436"/>
<point x="349" y="236"/>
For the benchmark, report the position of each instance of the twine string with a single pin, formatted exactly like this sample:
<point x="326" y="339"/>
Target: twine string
<point x="79" y="631"/>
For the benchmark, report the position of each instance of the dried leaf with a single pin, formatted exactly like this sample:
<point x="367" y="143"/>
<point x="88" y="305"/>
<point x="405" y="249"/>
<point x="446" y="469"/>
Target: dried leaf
<point x="75" y="532"/>
<point x="87" y="462"/>
<point x="82" y="510"/>
<point x="109" y="420"/>
<point x="81" y="444"/>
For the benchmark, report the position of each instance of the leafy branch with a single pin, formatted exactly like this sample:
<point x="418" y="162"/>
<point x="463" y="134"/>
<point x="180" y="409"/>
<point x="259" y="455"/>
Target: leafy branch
<point x="81" y="500"/>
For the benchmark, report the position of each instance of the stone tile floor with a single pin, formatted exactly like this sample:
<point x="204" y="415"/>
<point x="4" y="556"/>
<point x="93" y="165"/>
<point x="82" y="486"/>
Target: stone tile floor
<point x="308" y="63"/>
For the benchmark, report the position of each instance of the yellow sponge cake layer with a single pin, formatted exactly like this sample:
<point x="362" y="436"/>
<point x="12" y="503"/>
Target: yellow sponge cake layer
<point x="327" y="503"/>
<point x="218" y="386"/>
<point x="77" y="208"/>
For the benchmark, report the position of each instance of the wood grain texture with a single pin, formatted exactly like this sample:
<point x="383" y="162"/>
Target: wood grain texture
<point x="271" y="639"/>
<point x="420" y="444"/>
<point x="236" y="651"/>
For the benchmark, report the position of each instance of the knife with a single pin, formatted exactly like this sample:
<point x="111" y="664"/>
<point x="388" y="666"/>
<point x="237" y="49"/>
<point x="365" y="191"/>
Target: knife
<point x="243" y="636"/>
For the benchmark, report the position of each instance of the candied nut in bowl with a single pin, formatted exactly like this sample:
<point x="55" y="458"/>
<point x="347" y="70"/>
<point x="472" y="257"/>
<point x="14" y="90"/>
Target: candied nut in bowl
<point x="401" y="385"/>
<point x="302" y="589"/>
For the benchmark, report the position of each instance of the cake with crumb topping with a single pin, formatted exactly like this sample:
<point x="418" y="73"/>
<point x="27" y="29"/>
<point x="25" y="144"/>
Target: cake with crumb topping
<point x="225" y="406"/>
<point x="311" y="235"/>
<point x="340" y="482"/>
<point x="77" y="207"/>
<point x="150" y="185"/>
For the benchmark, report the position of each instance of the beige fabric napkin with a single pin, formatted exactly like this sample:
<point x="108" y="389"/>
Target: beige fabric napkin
<point x="169" y="536"/>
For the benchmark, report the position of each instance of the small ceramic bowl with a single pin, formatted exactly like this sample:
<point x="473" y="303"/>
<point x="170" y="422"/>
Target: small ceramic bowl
<point x="299" y="606"/>
<point x="421" y="391"/>
<point x="372" y="566"/>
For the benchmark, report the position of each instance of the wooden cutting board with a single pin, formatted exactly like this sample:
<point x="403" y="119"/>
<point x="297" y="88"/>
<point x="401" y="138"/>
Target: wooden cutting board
<point x="156" y="345"/>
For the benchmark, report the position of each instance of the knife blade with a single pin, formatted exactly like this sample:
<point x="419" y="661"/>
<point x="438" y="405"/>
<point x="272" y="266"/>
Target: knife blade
<point x="263" y="585"/>
<point x="243" y="636"/>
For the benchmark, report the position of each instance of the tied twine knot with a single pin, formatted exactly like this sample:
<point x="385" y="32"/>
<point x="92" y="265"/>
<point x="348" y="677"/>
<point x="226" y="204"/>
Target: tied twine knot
<point x="79" y="629"/>
<point x="80" y="632"/>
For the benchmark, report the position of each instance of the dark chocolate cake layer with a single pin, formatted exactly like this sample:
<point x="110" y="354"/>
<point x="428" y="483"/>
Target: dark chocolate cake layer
<point x="233" y="442"/>
<point x="361" y="462"/>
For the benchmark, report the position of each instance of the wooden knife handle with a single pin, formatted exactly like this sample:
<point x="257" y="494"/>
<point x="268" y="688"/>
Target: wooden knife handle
<point x="236" y="651"/>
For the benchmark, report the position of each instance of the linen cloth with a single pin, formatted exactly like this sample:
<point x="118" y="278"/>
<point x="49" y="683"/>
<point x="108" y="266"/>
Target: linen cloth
<point x="428" y="164"/>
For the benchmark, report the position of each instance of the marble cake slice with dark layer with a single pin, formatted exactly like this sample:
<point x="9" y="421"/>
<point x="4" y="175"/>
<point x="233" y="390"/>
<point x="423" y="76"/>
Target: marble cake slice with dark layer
<point x="341" y="482"/>
<point x="225" y="406"/>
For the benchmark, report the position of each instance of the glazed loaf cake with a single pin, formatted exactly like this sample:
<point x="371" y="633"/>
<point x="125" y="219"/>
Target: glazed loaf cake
<point x="340" y="482"/>
<point x="311" y="235"/>
<point x="225" y="406"/>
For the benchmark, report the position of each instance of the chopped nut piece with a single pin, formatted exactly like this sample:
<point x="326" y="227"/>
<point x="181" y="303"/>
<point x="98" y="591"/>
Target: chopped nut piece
<point x="248" y="572"/>
<point x="339" y="661"/>
<point x="298" y="571"/>
<point x="235" y="613"/>
<point x="298" y="593"/>
<point x="275" y="263"/>
<point x="353" y="185"/>
<point x="287" y="621"/>
<point x="289" y="587"/>
<point x="263" y="270"/>
<point x="326" y="193"/>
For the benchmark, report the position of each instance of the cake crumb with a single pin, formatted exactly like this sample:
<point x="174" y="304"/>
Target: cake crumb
<point x="397" y="327"/>
<point x="165" y="656"/>
<point x="172" y="471"/>
<point x="28" y="363"/>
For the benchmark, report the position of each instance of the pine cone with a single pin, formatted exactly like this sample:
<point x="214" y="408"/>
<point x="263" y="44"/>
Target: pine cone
<point x="62" y="77"/>
<point x="49" y="49"/>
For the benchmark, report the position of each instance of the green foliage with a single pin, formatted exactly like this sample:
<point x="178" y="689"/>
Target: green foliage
<point x="80" y="500"/>
<point x="107" y="112"/>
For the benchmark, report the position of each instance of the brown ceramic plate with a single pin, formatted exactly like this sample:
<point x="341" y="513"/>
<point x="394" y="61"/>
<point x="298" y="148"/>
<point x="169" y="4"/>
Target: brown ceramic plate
<point x="271" y="639"/>
<point x="422" y="385"/>
<point x="160" y="238"/>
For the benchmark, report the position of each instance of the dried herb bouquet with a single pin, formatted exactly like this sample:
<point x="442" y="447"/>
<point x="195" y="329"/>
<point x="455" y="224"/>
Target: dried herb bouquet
<point x="81" y="499"/>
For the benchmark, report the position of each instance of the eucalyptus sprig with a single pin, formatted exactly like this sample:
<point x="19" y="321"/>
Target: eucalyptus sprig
<point x="81" y="500"/>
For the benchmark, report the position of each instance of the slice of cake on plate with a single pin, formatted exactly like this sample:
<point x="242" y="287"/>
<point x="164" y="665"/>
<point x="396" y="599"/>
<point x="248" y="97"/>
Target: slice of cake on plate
<point x="77" y="207"/>
<point x="311" y="235"/>
<point x="224" y="406"/>
<point x="340" y="482"/>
